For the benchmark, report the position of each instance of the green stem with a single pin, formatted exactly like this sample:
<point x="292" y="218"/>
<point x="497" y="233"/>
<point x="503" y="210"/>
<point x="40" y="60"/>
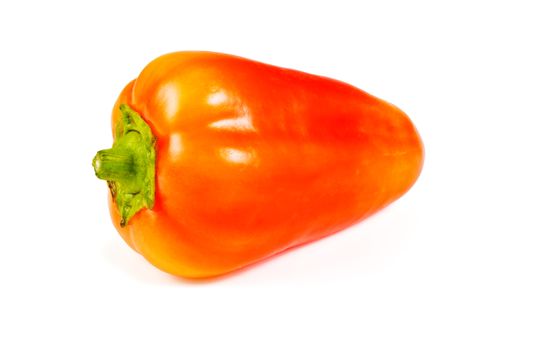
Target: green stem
<point x="114" y="165"/>
<point x="129" y="166"/>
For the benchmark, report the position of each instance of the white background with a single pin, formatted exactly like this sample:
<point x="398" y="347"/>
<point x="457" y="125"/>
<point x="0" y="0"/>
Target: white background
<point x="448" y="266"/>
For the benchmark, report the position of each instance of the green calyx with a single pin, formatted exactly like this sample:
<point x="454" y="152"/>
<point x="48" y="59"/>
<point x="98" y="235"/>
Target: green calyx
<point x="129" y="166"/>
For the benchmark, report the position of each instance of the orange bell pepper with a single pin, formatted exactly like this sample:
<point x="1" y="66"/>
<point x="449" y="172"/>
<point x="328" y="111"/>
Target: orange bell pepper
<point x="220" y="161"/>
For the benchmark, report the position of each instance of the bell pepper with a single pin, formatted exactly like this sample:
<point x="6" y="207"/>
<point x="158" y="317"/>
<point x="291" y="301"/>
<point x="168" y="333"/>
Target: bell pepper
<point x="219" y="161"/>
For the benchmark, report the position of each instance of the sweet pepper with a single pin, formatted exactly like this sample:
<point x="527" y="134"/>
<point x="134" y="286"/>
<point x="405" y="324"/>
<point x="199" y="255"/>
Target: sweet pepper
<point x="219" y="161"/>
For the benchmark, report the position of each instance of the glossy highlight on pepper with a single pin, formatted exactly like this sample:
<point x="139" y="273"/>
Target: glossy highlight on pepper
<point x="219" y="161"/>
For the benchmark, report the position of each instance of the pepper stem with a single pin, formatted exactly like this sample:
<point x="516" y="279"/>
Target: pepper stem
<point x="114" y="165"/>
<point x="129" y="166"/>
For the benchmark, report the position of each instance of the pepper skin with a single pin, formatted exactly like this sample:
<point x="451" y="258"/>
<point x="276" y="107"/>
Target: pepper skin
<point x="252" y="159"/>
